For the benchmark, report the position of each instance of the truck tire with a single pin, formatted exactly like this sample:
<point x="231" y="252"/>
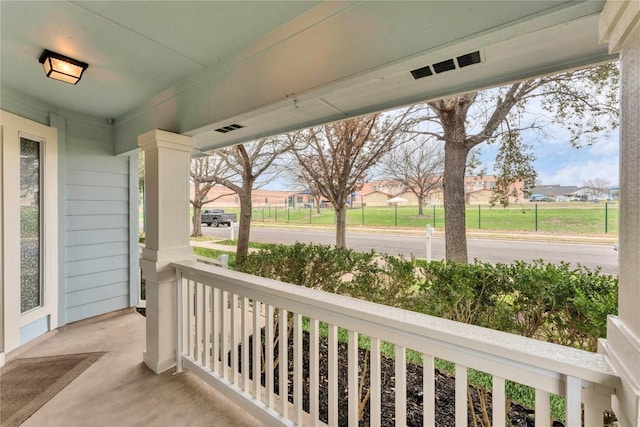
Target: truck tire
<point x="208" y="224"/>
<point x="215" y="222"/>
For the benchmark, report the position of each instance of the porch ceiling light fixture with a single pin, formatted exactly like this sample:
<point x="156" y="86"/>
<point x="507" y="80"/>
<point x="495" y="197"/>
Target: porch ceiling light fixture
<point x="63" y="68"/>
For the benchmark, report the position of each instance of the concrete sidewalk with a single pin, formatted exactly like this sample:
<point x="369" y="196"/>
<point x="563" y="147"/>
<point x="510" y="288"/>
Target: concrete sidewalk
<point x="438" y="233"/>
<point x="119" y="390"/>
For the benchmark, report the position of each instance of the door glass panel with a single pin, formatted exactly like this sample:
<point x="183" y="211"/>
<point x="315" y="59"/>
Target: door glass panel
<point x="30" y="214"/>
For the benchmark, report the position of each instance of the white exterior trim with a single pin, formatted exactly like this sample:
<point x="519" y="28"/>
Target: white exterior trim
<point x="620" y="27"/>
<point x="12" y="127"/>
<point x="167" y="167"/>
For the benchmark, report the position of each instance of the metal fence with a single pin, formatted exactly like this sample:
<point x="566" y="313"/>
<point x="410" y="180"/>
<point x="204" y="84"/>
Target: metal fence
<point x="575" y="218"/>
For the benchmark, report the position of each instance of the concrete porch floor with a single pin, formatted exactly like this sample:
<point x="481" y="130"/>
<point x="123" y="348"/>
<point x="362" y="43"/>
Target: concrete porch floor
<point x="119" y="390"/>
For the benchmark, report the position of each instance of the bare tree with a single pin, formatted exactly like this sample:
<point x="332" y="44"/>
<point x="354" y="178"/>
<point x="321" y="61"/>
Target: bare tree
<point x="248" y="166"/>
<point x="582" y="101"/>
<point x="298" y="180"/>
<point x="418" y="165"/>
<point x="203" y="172"/>
<point x="597" y="186"/>
<point x="337" y="157"/>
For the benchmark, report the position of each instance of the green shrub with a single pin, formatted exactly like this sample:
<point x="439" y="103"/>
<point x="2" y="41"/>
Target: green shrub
<point x="469" y="293"/>
<point x="313" y="266"/>
<point x="385" y="280"/>
<point x="555" y="303"/>
<point x="544" y="301"/>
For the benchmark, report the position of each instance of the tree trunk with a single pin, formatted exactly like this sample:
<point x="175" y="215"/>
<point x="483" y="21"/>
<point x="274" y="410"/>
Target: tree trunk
<point x="455" y="160"/>
<point x="244" y="229"/>
<point x="197" y="225"/>
<point x="341" y="226"/>
<point x="420" y="207"/>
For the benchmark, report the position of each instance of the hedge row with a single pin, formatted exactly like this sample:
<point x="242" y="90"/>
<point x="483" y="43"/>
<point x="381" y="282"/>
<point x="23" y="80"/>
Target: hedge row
<point x="558" y="304"/>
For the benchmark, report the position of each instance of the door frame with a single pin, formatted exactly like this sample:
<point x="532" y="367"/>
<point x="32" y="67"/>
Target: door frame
<point x="12" y="128"/>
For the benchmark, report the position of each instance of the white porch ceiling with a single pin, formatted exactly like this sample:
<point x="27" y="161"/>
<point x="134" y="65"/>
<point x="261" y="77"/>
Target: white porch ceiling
<point x="135" y="49"/>
<point x="193" y="67"/>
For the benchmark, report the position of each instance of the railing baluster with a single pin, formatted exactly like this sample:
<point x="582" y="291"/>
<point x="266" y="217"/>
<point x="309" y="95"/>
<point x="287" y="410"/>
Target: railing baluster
<point x="573" y="395"/>
<point x="353" y="378"/>
<point x="192" y="314"/>
<point x="333" y="375"/>
<point x="297" y="367"/>
<point x="216" y="320"/>
<point x="199" y="355"/>
<point x="401" y="385"/>
<point x="498" y="399"/>
<point x="593" y="406"/>
<point x="184" y="288"/>
<point x="314" y="369"/>
<point x="461" y="396"/>
<point x="268" y="342"/>
<point x="224" y="333"/>
<point x="543" y="409"/>
<point x="208" y="322"/>
<point x="428" y="391"/>
<point x="180" y="321"/>
<point x="245" y="344"/>
<point x="257" y="348"/>
<point x="283" y="351"/>
<point x="214" y="328"/>
<point x="235" y="333"/>
<point x="375" y="408"/>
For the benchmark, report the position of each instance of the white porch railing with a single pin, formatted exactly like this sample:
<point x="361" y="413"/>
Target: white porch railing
<point x="220" y="312"/>
<point x="220" y="261"/>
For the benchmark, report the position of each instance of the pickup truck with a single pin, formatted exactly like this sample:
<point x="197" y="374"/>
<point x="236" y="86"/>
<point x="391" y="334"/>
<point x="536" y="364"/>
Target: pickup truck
<point x="216" y="217"/>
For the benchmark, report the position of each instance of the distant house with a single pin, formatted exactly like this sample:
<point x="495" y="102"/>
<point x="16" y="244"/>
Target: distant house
<point x="585" y="194"/>
<point x="411" y="199"/>
<point x="479" y="197"/>
<point x="390" y="187"/>
<point x="559" y="193"/>
<point x="376" y="198"/>
<point x="480" y="189"/>
<point x="225" y="198"/>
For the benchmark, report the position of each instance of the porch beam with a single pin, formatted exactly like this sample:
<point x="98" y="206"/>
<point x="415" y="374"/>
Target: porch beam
<point x="167" y="165"/>
<point x="620" y="28"/>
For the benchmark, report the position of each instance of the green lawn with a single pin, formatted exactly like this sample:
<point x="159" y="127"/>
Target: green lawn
<point x="573" y="218"/>
<point x="569" y="218"/>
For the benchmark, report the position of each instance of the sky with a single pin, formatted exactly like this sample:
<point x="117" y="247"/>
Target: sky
<point x="558" y="163"/>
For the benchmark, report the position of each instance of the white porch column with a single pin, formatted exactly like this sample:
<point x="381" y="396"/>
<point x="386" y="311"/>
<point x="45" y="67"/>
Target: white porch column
<point x="167" y="165"/>
<point x="620" y="27"/>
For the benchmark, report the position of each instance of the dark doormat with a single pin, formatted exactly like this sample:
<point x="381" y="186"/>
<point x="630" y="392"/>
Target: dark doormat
<point x="27" y="384"/>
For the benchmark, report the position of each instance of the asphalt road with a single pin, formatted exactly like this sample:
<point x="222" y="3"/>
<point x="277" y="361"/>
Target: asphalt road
<point x="488" y="250"/>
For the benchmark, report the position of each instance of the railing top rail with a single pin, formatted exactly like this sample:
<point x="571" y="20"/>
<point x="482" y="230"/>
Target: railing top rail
<point x="545" y="356"/>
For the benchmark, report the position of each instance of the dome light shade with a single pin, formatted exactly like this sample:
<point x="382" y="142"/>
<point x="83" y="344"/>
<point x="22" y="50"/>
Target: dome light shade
<point x="63" y="68"/>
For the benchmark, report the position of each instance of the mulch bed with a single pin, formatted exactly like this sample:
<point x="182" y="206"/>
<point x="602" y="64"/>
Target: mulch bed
<point x="445" y="390"/>
<point x="518" y="415"/>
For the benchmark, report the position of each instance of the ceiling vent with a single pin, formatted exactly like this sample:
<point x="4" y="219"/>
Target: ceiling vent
<point x="447" y="65"/>
<point x="230" y="128"/>
<point x="419" y="73"/>
<point x="443" y="66"/>
<point x="469" y="59"/>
